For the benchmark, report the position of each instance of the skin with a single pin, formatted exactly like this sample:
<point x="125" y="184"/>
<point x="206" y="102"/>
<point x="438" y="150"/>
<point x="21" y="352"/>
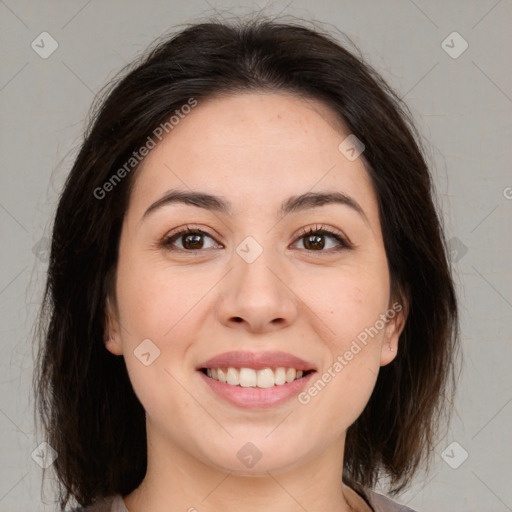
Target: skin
<point x="256" y="150"/>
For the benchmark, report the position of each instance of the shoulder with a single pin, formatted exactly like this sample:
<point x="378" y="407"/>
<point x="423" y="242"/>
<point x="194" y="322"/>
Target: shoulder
<point x="106" y="504"/>
<point x="381" y="503"/>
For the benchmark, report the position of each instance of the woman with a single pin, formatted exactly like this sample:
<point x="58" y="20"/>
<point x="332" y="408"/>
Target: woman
<point x="249" y="303"/>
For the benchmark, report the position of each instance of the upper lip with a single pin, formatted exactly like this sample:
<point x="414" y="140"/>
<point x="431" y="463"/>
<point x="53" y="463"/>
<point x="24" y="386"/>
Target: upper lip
<point x="256" y="360"/>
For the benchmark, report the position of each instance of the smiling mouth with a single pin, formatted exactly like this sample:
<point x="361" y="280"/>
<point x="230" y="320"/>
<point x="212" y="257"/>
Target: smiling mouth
<point x="255" y="378"/>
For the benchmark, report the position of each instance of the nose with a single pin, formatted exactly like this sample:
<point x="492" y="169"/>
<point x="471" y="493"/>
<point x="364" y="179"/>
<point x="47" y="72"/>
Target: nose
<point x="257" y="297"/>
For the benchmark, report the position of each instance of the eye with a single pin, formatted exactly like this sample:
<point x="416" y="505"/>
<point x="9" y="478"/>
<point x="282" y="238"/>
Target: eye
<point x="191" y="240"/>
<point x="313" y="239"/>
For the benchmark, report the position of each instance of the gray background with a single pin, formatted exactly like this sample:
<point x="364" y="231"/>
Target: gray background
<point x="461" y="105"/>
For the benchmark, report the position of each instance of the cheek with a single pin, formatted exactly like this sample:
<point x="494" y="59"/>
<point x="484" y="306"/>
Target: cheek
<point x="341" y="391"/>
<point x="350" y="303"/>
<point x="153" y="301"/>
<point x="351" y="300"/>
<point x="155" y="345"/>
<point x="153" y="313"/>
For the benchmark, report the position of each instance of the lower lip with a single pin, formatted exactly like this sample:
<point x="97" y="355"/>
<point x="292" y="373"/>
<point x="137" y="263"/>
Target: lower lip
<point x="253" y="397"/>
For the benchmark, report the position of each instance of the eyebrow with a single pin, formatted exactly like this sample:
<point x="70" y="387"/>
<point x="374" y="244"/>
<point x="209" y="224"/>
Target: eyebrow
<point x="218" y="204"/>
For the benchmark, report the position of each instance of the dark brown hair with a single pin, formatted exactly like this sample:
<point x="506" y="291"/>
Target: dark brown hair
<point x="85" y="400"/>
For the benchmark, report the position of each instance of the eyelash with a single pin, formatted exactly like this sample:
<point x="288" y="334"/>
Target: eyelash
<point x="344" y="244"/>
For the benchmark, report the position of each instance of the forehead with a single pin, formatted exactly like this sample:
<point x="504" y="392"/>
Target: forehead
<point x="256" y="148"/>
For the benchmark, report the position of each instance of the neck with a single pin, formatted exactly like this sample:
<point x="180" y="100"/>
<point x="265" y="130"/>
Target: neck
<point x="177" y="481"/>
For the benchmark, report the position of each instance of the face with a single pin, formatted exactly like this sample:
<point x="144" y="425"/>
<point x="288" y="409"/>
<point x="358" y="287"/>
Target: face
<point x="308" y="279"/>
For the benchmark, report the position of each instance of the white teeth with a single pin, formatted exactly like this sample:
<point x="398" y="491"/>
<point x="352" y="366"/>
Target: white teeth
<point x="249" y="377"/>
<point x="291" y="373"/>
<point x="280" y="376"/>
<point x="266" y="378"/>
<point x="233" y="377"/>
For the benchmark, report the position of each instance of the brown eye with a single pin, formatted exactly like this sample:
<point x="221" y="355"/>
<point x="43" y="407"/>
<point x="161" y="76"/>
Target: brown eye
<point x="314" y="240"/>
<point x="190" y="240"/>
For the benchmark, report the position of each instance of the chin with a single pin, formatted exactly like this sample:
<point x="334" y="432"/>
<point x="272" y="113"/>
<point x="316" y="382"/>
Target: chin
<point x="252" y="459"/>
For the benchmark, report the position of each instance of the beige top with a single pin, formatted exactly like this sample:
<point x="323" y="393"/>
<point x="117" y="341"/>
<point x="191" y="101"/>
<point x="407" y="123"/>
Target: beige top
<point x="378" y="502"/>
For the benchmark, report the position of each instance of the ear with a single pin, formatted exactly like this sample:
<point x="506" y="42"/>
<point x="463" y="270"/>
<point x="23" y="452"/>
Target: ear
<point x="112" y="331"/>
<point x="396" y="315"/>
